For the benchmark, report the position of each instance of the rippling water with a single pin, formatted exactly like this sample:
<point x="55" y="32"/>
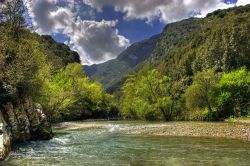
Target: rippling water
<point x="109" y="145"/>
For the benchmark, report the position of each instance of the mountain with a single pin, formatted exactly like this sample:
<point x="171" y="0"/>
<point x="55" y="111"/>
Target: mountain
<point x="221" y="42"/>
<point x="183" y="48"/>
<point x="111" y="72"/>
<point x="173" y="34"/>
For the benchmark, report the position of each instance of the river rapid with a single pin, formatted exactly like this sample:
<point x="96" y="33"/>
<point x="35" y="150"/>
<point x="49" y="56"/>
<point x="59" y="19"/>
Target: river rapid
<point x="114" y="143"/>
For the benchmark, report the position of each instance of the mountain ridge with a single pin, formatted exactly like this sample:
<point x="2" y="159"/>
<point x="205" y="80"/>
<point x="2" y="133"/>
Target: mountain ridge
<point x="110" y="72"/>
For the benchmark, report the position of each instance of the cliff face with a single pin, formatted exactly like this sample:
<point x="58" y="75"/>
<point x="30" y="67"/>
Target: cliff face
<point x="5" y="143"/>
<point x="22" y="122"/>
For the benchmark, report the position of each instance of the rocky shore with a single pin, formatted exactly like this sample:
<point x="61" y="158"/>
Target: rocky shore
<point x="230" y="130"/>
<point x="20" y="122"/>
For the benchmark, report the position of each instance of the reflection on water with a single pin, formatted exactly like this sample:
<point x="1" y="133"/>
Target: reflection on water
<point x="109" y="145"/>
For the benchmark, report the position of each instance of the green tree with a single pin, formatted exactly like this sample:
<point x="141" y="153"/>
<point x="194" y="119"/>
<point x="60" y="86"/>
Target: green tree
<point x="70" y="94"/>
<point x="200" y="95"/>
<point x="147" y="96"/>
<point x="128" y="104"/>
<point x="11" y="15"/>
<point x="233" y="93"/>
<point x="21" y="63"/>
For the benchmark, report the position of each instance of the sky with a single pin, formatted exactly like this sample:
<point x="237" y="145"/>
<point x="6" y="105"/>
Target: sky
<point x="99" y="30"/>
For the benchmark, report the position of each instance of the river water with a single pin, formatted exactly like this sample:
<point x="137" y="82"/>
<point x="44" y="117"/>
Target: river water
<point x="108" y="145"/>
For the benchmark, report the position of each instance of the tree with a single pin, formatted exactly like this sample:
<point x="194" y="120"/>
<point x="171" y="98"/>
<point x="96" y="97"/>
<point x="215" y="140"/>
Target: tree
<point x="128" y="108"/>
<point x="147" y="96"/>
<point x="70" y="94"/>
<point x="233" y="93"/>
<point x="11" y="15"/>
<point x="200" y="95"/>
<point x="21" y="63"/>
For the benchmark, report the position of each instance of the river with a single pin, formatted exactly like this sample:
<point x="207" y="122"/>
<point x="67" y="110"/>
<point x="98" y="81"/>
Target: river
<point x="107" y="143"/>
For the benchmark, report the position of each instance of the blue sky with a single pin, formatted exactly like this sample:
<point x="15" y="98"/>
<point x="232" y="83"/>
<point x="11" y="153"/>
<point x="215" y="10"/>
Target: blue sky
<point x="134" y="30"/>
<point x="100" y="29"/>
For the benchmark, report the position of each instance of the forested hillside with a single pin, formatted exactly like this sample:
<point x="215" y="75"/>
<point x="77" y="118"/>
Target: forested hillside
<point x="202" y="76"/>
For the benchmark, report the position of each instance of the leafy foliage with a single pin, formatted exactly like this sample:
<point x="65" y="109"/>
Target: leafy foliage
<point x="11" y="15"/>
<point x="72" y="95"/>
<point x="148" y="97"/>
<point x="233" y="94"/>
<point x="49" y="72"/>
<point x="200" y="95"/>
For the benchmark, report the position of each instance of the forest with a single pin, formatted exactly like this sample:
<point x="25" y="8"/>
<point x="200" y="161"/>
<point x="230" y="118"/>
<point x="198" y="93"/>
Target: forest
<point x="203" y="76"/>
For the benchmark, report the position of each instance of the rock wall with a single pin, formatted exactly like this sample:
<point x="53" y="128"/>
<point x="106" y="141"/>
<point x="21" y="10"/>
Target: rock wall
<point x="5" y="143"/>
<point x="23" y="121"/>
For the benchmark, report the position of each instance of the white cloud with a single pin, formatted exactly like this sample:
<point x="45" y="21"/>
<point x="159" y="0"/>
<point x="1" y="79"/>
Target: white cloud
<point x="96" y="41"/>
<point x="165" y="10"/>
<point x="242" y="2"/>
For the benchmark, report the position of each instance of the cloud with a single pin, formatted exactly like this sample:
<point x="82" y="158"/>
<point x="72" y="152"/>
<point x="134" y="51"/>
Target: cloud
<point x="96" y="41"/>
<point x="242" y="2"/>
<point x="165" y="10"/>
<point x="39" y="11"/>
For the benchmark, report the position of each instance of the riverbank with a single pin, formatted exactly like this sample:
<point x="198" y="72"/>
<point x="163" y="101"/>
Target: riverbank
<point x="230" y="130"/>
